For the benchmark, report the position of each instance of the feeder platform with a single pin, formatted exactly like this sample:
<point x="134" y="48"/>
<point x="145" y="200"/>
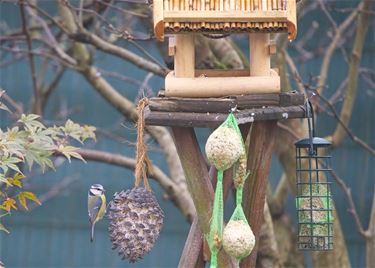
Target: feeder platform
<point x="211" y="112"/>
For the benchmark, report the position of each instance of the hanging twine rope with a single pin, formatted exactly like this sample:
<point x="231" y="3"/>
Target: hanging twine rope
<point x="143" y="163"/>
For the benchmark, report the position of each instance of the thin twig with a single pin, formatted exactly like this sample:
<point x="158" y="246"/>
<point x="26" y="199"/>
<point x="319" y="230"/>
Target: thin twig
<point x="357" y="140"/>
<point x="48" y="90"/>
<point x="124" y="11"/>
<point x="352" y="210"/>
<point x="295" y="72"/>
<point x="40" y="53"/>
<point x="332" y="47"/>
<point x="56" y="190"/>
<point x="11" y="102"/>
<point x="37" y="103"/>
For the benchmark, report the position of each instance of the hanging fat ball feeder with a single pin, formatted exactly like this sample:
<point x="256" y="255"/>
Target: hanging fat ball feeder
<point x="314" y="200"/>
<point x="238" y="239"/>
<point x="135" y="216"/>
<point x="224" y="147"/>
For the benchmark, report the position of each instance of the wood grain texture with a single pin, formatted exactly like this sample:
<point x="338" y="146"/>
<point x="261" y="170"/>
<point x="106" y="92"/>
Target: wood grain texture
<point x="260" y="58"/>
<point x="196" y="174"/>
<point x="201" y="87"/>
<point x="198" y="182"/>
<point x="190" y="257"/>
<point x="184" y="58"/>
<point x="193" y="247"/>
<point x="223" y="105"/>
<point x="223" y="16"/>
<point x="185" y="119"/>
<point x="259" y="161"/>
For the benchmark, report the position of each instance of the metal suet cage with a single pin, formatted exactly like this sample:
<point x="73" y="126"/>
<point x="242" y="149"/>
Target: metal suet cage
<point x="314" y="201"/>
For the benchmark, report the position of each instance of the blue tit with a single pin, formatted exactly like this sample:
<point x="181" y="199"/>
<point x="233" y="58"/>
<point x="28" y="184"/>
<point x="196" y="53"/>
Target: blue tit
<point x="96" y="205"/>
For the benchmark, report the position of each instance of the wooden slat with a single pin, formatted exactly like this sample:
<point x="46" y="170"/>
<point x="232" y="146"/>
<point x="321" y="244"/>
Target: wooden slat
<point x="184" y="119"/>
<point x="291" y="98"/>
<point x="205" y="105"/>
<point x="257" y="100"/>
<point x="223" y="16"/>
<point x="224" y="105"/>
<point x="222" y="73"/>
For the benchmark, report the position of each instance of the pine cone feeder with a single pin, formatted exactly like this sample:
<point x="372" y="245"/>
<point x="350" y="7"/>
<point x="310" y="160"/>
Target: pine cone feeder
<point x="135" y="215"/>
<point x="135" y="222"/>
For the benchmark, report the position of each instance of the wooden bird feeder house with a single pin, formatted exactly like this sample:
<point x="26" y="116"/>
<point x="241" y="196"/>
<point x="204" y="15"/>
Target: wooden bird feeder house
<point x="183" y="18"/>
<point x="203" y="98"/>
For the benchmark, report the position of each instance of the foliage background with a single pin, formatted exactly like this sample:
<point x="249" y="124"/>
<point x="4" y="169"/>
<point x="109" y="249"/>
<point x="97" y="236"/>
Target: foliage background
<point x="57" y="235"/>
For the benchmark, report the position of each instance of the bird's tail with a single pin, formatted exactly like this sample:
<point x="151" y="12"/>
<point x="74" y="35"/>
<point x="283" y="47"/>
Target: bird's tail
<point x="92" y="232"/>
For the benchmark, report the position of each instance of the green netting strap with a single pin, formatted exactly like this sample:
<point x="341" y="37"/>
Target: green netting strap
<point x="216" y="227"/>
<point x="231" y="122"/>
<point x="213" y="263"/>
<point x="239" y="196"/>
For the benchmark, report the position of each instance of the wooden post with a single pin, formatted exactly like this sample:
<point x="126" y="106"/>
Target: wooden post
<point x="258" y="162"/>
<point x="190" y="257"/>
<point x="260" y="60"/>
<point x="260" y="149"/>
<point x="184" y="58"/>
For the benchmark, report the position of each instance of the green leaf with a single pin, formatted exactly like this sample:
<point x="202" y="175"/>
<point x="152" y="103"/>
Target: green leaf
<point x="70" y="151"/>
<point x="10" y="162"/>
<point x="31" y="122"/>
<point x="88" y="132"/>
<point x="2" y="228"/>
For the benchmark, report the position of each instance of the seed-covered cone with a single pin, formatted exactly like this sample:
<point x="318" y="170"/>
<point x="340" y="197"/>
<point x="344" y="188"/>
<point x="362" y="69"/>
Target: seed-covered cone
<point x="135" y="222"/>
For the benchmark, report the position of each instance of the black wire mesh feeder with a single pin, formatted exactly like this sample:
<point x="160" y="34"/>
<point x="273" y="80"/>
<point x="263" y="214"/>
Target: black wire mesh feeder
<point x="314" y="201"/>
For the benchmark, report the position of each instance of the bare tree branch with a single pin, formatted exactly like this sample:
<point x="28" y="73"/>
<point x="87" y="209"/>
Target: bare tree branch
<point x="351" y="91"/>
<point x="86" y="37"/>
<point x="332" y="46"/>
<point x="352" y="210"/>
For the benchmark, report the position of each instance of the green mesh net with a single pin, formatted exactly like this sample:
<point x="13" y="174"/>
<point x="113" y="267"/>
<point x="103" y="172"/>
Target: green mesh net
<point x="215" y="236"/>
<point x="241" y="239"/>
